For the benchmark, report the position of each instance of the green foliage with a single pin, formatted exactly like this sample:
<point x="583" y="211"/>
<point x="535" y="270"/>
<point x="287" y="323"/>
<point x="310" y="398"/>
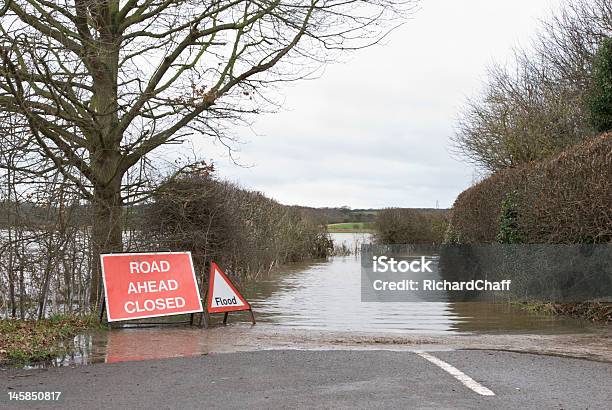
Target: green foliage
<point x="599" y="99"/>
<point x="356" y="227"/>
<point x="452" y="235"/>
<point x="25" y="341"/>
<point x="509" y="231"/>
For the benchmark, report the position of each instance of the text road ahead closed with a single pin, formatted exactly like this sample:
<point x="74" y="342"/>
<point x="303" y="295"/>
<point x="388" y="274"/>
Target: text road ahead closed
<point x="141" y="285"/>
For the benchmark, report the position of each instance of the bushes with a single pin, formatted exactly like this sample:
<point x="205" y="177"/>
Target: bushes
<point x="410" y="226"/>
<point x="599" y="99"/>
<point x="509" y="231"/>
<point x="476" y="212"/>
<point x="599" y="312"/>
<point x="243" y="230"/>
<point x="566" y="199"/>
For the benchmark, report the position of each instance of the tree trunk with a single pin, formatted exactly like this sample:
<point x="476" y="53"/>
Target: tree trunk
<point x="107" y="231"/>
<point x="106" y="156"/>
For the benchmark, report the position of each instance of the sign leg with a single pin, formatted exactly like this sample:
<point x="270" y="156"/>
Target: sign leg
<point x="206" y="318"/>
<point x="225" y="315"/>
<point x="102" y="308"/>
<point x="252" y="316"/>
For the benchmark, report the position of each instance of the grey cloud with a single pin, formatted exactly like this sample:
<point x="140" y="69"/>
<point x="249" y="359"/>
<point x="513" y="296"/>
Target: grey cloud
<point x="374" y="131"/>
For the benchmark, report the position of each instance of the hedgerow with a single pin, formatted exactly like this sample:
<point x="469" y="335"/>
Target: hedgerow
<point x="564" y="199"/>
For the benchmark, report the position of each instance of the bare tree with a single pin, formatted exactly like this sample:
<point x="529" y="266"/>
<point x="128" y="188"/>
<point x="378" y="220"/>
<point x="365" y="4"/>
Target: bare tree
<point x="102" y="83"/>
<point x="536" y="106"/>
<point x="41" y="239"/>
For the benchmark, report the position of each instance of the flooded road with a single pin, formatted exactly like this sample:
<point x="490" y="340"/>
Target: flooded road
<point x="318" y="306"/>
<point x="327" y="296"/>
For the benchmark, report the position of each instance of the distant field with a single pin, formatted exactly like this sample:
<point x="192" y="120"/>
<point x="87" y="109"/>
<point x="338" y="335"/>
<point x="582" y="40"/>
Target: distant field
<point x="359" y="227"/>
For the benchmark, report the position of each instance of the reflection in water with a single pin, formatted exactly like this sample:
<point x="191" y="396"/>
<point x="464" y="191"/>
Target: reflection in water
<point x="323" y="296"/>
<point x="129" y="345"/>
<point x="327" y="296"/>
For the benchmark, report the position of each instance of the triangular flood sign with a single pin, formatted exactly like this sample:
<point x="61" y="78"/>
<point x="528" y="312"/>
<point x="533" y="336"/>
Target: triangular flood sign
<point x="222" y="295"/>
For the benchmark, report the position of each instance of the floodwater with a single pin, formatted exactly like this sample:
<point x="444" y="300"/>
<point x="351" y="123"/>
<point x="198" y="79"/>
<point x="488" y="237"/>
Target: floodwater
<point x="327" y="296"/>
<point x="318" y="305"/>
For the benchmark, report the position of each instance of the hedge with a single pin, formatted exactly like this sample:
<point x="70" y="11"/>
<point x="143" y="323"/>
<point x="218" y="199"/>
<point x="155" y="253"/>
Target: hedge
<point x="564" y="199"/>
<point x="242" y="230"/>
<point x="410" y="226"/>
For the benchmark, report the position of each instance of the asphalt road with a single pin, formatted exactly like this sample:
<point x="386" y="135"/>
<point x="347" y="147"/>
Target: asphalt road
<point x="325" y="379"/>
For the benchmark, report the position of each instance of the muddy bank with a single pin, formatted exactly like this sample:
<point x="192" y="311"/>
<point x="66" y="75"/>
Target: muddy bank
<point x="594" y="346"/>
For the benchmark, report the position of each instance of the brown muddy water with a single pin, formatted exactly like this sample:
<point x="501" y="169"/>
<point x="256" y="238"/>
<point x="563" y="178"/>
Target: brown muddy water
<point x="318" y="306"/>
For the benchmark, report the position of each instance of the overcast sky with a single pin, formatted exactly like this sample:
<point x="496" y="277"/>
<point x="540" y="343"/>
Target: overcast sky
<point x="374" y="131"/>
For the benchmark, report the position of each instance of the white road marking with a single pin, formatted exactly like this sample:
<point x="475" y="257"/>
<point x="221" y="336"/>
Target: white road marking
<point x="457" y="374"/>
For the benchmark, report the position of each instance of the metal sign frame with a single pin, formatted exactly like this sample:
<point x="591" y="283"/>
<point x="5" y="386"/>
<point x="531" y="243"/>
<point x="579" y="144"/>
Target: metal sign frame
<point x="205" y="317"/>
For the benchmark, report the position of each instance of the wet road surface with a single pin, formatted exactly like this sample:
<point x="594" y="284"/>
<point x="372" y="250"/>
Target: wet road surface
<point x="317" y="345"/>
<point x="326" y="379"/>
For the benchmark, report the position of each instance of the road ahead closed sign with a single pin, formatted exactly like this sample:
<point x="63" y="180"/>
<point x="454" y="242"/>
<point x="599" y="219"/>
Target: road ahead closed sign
<point x="141" y="285"/>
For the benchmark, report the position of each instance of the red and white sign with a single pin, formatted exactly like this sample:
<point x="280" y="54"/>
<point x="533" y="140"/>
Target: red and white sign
<point x="141" y="285"/>
<point x="222" y="295"/>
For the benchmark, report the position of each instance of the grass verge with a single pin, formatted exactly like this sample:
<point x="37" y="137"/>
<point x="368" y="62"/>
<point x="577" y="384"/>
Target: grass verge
<point x="27" y="341"/>
<point x="597" y="312"/>
<point x="351" y="227"/>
